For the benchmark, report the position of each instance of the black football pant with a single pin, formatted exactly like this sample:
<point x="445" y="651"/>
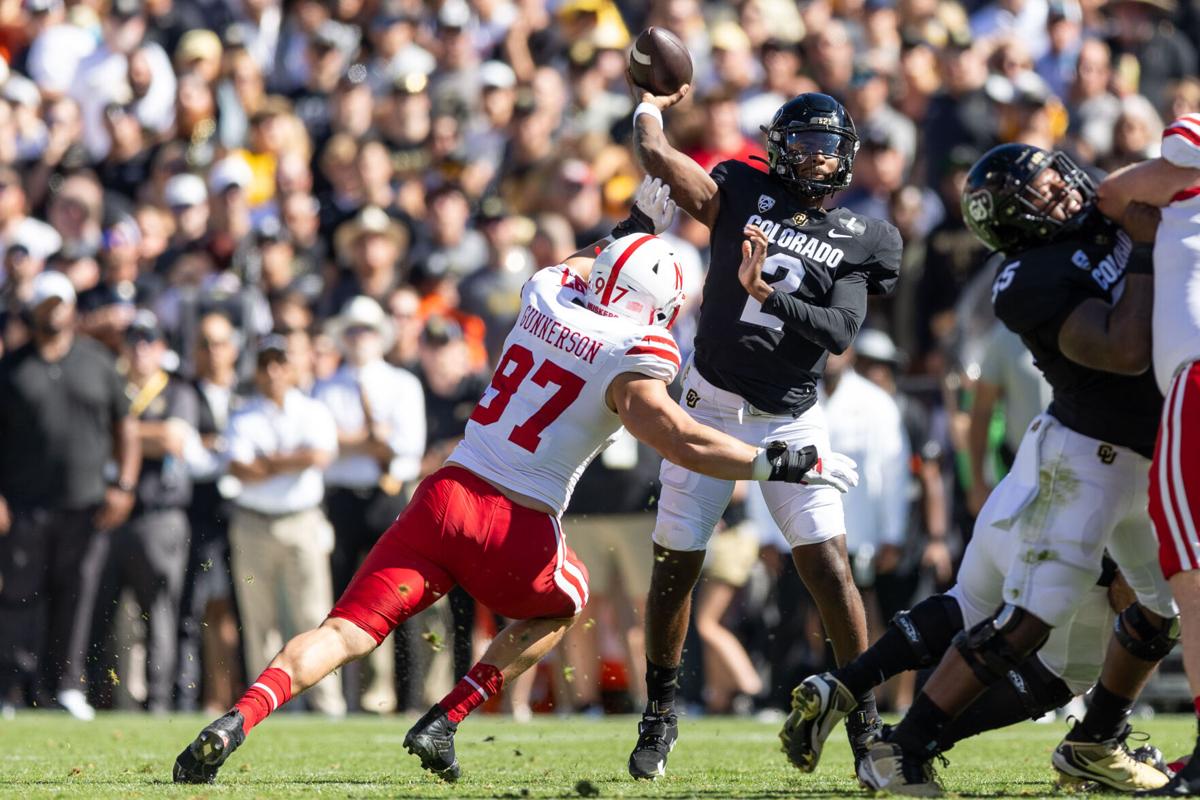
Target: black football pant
<point x="50" y="565"/>
<point x="148" y="554"/>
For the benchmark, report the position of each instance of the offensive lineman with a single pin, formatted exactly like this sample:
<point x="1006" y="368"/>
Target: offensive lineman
<point x="1072" y="286"/>
<point x="1172" y="183"/>
<point x="761" y="344"/>
<point x="588" y="354"/>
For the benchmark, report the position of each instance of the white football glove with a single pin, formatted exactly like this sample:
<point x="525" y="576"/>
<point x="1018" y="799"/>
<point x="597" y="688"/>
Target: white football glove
<point x="653" y="198"/>
<point x="834" y="470"/>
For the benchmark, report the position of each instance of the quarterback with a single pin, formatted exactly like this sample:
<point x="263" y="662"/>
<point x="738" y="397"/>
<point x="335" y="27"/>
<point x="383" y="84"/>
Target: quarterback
<point x="590" y="352"/>
<point x="761" y="343"/>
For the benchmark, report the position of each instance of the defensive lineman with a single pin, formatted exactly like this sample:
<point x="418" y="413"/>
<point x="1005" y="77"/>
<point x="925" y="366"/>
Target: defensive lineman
<point x="1172" y="183"/>
<point x="761" y="344"/>
<point x="1070" y="286"/>
<point x="589" y="353"/>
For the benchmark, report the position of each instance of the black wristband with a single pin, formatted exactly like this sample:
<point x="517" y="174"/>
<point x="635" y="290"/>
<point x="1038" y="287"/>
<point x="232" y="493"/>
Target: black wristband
<point x="636" y="222"/>
<point x="1141" y="260"/>
<point x="790" y="465"/>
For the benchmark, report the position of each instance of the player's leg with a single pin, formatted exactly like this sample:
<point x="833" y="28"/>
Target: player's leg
<point x="529" y="575"/>
<point x="689" y="508"/>
<point x="1145" y="631"/>
<point x="812" y="521"/>
<point x="394" y="582"/>
<point x="1174" y="508"/>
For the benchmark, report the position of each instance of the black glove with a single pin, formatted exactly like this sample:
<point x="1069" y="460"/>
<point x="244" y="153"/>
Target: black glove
<point x="638" y="221"/>
<point x="790" y="465"/>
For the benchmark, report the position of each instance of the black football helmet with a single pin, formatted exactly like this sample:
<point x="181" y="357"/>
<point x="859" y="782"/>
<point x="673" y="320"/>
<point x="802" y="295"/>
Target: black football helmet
<point x="809" y="124"/>
<point x="1005" y="212"/>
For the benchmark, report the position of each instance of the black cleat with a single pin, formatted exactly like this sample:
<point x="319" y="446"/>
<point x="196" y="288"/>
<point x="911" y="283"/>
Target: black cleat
<point x="432" y="741"/>
<point x="862" y="731"/>
<point x="1185" y="783"/>
<point x="200" y="760"/>
<point x="657" y="734"/>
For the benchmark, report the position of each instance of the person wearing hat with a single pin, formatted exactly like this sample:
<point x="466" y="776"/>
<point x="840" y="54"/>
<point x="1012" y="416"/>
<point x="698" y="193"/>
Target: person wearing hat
<point x="485" y="136"/>
<point x="394" y="48"/>
<point x="457" y="76"/>
<point x="380" y="415"/>
<point x="278" y="446"/>
<point x="330" y="52"/>
<point x="1150" y="52"/>
<point x="373" y="246"/>
<point x="148" y="554"/>
<point x="199" y="51"/>
<point x="63" y="416"/>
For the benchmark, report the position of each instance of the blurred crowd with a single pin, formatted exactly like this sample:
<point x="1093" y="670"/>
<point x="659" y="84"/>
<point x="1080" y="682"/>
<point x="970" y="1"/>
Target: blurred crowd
<point x="258" y="255"/>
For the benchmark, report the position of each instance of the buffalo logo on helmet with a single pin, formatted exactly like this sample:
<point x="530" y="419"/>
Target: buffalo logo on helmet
<point x="979" y="205"/>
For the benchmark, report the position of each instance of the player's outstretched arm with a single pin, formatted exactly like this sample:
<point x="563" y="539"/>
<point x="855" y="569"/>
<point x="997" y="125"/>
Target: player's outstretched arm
<point x="649" y="413"/>
<point x="1154" y="182"/>
<point x="693" y="189"/>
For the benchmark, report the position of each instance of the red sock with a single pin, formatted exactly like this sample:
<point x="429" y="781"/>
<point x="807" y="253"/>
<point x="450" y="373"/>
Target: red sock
<point x="272" y="689"/>
<point x="482" y="682"/>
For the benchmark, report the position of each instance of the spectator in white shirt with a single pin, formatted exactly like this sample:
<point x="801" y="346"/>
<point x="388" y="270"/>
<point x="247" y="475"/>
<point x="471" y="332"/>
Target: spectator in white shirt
<point x="380" y="415"/>
<point x="865" y="424"/>
<point x="279" y="444"/>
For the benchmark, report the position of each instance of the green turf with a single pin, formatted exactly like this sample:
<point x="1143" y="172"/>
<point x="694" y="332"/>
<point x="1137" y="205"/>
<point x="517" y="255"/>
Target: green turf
<point x="126" y="756"/>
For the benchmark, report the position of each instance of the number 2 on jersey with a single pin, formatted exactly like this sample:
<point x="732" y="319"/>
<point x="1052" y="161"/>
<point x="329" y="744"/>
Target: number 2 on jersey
<point x="515" y="365"/>
<point x="793" y="274"/>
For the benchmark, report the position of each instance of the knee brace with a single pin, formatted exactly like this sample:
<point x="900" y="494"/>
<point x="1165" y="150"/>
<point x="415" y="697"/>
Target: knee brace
<point x="986" y="648"/>
<point x="1039" y="689"/>
<point x="1142" y="638"/>
<point x="929" y="627"/>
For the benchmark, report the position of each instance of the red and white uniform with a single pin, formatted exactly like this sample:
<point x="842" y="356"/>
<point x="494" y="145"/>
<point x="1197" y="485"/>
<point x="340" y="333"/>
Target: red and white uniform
<point x="543" y="418"/>
<point x="1175" y="474"/>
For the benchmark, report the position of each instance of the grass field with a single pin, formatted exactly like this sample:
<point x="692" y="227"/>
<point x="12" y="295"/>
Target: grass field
<point x="126" y="756"/>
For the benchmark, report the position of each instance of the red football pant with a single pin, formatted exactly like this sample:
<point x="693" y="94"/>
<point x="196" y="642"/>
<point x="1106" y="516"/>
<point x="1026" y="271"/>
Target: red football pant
<point x="459" y="530"/>
<point x="1175" y="475"/>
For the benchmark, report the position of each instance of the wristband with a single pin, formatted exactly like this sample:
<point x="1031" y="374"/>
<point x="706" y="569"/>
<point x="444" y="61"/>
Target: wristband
<point x="638" y="221"/>
<point x="652" y="110"/>
<point x="761" y="466"/>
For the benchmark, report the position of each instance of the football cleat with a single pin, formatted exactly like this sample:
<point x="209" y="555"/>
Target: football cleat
<point x="862" y="731"/>
<point x="432" y="741"/>
<point x="200" y="760"/>
<point x="1185" y="782"/>
<point x="887" y="768"/>
<point x="657" y="734"/>
<point x="1080" y="761"/>
<point x="818" y="704"/>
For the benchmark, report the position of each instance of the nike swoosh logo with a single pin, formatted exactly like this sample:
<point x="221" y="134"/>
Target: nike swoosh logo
<point x="836" y="235"/>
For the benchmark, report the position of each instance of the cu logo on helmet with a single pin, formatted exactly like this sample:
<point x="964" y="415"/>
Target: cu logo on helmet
<point x="979" y="206"/>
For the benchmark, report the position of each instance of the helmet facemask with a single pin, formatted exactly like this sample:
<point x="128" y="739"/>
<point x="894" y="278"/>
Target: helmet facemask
<point x="795" y="148"/>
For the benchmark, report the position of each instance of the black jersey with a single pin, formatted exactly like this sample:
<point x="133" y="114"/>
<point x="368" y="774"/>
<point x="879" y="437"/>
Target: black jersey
<point x="1036" y="290"/>
<point x="823" y="265"/>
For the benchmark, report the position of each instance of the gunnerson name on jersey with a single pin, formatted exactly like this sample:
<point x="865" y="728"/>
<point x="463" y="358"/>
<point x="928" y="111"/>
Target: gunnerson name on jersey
<point x="556" y="334"/>
<point x="798" y="241"/>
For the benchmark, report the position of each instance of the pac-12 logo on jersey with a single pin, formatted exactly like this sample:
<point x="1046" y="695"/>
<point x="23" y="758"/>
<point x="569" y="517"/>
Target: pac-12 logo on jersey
<point x="765" y="203"/>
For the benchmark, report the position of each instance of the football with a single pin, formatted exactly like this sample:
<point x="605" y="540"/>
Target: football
<point x="659" y="63"/>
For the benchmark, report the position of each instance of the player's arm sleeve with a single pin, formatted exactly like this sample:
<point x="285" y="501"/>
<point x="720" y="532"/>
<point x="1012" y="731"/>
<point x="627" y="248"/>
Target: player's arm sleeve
<point x="883" y="269"/>
<point x="1034" y="299"/>
<point x="654" y="354"/>
<point x="832" y="327"/>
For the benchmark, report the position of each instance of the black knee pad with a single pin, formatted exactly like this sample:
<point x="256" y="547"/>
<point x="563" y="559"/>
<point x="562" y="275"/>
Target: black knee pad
<point x="930" y="626"/>
<point x="986" y="649"/>
<point x="1039" y="689"/>
<point x="1142" y="638"/>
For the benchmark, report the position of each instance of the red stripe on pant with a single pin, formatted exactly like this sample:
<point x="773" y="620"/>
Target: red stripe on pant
<point x="1175" y="475"/>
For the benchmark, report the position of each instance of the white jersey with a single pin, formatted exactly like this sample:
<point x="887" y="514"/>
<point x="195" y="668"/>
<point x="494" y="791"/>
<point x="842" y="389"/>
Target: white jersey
<point x="544" y="416"/>
<point x="1176" y="322"/>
